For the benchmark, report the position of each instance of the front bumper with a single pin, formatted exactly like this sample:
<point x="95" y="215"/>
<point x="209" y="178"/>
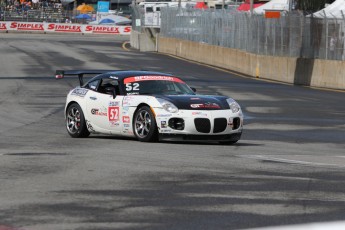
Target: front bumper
<point x="185" y="137"/>
<point x="207" y="123"/>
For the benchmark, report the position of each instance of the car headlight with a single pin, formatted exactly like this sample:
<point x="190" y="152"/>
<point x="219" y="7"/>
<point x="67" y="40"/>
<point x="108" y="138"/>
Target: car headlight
<point x="168" y="106"/>
<point x="234" y="106"/>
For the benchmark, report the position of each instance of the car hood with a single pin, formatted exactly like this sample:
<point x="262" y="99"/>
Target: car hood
<point x="197" y="102"/>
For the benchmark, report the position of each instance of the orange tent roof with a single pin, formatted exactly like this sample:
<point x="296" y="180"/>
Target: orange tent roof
<point x="83" y="8"/>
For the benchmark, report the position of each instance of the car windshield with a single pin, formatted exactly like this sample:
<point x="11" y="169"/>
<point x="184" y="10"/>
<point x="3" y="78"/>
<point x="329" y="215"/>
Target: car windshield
<point x="156" y="85"/>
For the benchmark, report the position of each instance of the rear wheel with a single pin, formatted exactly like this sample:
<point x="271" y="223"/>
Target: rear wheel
<point x="144" y="125"/>
<point x="75" y="122"/>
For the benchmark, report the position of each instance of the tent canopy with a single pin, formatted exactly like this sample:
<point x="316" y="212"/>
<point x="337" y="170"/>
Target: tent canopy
<point x="116" y="19"/>
<point x="334" y="10"/>
<point x="83" y="16"/>
<point x="83" y="8"/>
<point x="107" y="21"/>
<point x="246" y="6"/>
<point x="200" y="5"/>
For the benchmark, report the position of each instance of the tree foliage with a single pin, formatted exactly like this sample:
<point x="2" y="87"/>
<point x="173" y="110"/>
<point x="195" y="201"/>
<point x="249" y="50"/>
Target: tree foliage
<point x="312" y="5"/>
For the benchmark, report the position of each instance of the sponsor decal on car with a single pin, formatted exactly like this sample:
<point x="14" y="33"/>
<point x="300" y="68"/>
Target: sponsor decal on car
<point x="164" y="124"/>
<point x="206" y="105"/>
<point x="114" y="103"/>
<point x="125" y="110"/>
<point x="133" y="93"/>
<point x="152" y="78"/>
<point x="113" y="113"/>
<point x="165" y="131"/>
<point x="98" y="113"/>
<point x="114" y="123"/>
<point x="163" y="115"/>
<point x="128" y="131"/>
<point x="79" y="92"/>
<point x="114" y="77"/>
<point x="199" y="114"/>
<point x="230" y="123"/>
<point x="126" y="119"/>
<point x="127" y="100"/>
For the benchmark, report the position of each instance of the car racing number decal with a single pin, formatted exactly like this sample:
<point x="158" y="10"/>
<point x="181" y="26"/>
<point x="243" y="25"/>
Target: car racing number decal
<point x="113" y="113"/>
<point x="132" y="86"/>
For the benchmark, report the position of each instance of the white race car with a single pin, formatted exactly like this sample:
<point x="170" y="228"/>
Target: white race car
<point x="149" y="106"/>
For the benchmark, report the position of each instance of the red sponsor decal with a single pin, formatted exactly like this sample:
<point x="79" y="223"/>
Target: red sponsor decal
<point x="64" y="28"/>
<point x="26" y="26"/>
<point x="205" y="106"/>
<point x="113" y="113"/>
<point x="126" y="119"/>
<point x="3" y="26"/>
<point x="152" y="78"/>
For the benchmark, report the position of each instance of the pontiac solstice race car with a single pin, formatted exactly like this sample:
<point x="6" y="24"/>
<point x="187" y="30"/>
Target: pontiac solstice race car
<point x="149" y="106"/>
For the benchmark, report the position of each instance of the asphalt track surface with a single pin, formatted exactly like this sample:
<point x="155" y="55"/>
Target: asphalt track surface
<point x="289" y="167"/>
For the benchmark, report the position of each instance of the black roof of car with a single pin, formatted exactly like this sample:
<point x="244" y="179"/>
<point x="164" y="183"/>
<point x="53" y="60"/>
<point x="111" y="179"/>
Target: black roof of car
<point x="116" y="74"/>
<point x="122" y="74"/>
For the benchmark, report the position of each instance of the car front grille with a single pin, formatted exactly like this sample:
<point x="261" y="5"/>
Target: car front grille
<point x="220" y="125"/>
<point x="202" y="125"/>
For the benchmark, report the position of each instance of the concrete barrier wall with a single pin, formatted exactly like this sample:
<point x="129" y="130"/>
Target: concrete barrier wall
<point x="134" y="39"/>
<point x="142" y="41"/>
<point x="301" y="71"/>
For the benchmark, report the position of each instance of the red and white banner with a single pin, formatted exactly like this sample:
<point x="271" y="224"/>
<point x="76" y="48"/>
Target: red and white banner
<point x="65" y="28"/>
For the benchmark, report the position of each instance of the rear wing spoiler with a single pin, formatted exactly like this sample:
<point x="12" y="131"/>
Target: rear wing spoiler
<point x="59" y="74"/>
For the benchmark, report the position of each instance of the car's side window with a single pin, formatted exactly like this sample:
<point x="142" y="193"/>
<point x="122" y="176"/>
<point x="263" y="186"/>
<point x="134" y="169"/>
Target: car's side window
<point x="93" y="85"/>
<point x="109" y="86"/>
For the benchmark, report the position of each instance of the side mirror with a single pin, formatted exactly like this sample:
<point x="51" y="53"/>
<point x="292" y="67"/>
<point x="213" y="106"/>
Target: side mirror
<point x="194" y="89"/>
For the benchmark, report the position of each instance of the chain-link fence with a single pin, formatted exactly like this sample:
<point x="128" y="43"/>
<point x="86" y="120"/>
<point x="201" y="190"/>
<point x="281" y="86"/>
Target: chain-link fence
<point x="291" y="35"/>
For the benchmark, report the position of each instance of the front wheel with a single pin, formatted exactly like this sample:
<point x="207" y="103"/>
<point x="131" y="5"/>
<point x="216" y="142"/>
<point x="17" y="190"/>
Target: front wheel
<point x="144" y="125"/>
<point x="75" y="122"/>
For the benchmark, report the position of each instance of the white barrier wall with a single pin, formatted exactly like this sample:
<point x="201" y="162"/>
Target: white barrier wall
<point x="65" y="28"/>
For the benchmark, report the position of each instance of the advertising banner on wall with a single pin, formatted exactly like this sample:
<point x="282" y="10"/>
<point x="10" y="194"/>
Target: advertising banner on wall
<point x="65" y="28"/>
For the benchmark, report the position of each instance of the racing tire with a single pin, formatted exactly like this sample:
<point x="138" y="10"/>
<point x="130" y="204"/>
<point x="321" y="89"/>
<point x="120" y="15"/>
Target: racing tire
<point x="233" y="140"/>
<point x="144" y="125"/>
<point x="75" y="122"/>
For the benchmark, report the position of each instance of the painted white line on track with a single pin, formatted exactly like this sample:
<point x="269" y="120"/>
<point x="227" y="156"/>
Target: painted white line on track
<point x="124" y="45"/>
<point x="289" y="161"/>
<point x="337" y="225"/>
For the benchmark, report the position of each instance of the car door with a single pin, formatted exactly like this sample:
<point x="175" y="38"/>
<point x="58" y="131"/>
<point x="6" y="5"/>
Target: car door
<point x="104" y="107"/>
